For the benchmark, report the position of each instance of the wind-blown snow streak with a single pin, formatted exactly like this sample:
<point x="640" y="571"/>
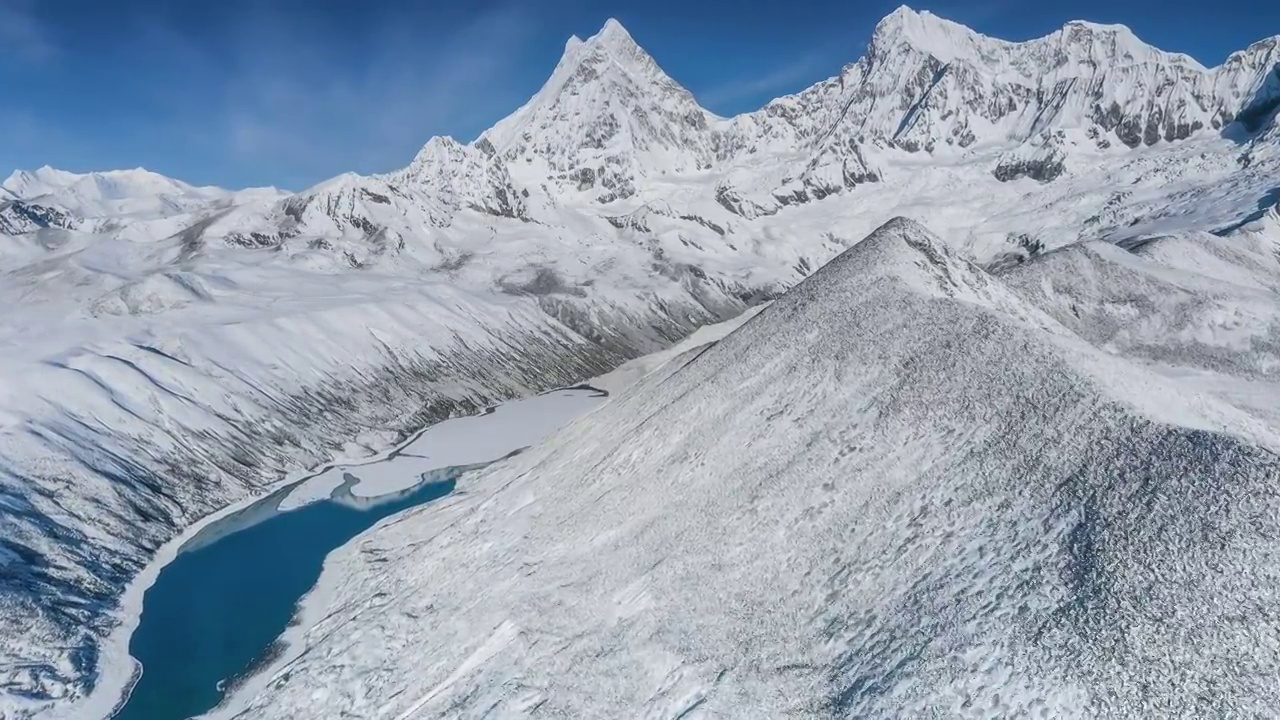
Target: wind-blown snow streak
<point x="170" y="349"/>
<point x="902" y="490"/>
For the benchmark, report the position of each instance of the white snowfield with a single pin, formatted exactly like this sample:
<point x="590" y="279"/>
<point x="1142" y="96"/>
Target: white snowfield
<point x="168" y="350"/>
<point x="908" y="488"/>
<point x="459" y="442"/>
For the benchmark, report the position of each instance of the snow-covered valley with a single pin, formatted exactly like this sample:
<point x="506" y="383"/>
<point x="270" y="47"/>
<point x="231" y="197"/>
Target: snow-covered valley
<point x="221" y="606"/>
<point x="1107" y="247"/>
<point x="908" y="488"/>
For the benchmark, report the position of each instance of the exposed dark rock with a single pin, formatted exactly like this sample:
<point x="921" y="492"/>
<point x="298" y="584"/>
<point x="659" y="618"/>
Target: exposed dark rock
<point x="1026" y="246"/>
<point x="293" y="207"/>
<point x="253" y="240"/>
<point x="375" y="197"/>
<point x="545" y="282"/>
<point x="705" y="223"/>
<point x="585" y="178"/>
<point x="1040" y="170"/>
<point x="17" y="217"/>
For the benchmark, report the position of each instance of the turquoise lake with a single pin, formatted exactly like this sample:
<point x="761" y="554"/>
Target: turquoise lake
<point x="216" y="610"/>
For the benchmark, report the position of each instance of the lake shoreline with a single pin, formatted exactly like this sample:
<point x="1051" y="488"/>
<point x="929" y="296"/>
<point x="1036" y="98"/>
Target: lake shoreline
<point x="309" y="609"/>
<point x="117" y="671"/>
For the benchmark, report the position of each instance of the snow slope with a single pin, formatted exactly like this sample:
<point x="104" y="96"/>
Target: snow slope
<point x="171" y="349"/>
<point x="902" y="490"/>
<point x="129" y="427"/>
<point x="116" y="193"/>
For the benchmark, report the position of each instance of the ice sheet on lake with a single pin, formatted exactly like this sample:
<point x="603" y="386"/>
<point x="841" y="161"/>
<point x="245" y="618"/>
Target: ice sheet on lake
<point x="909" y="488"/>
<point x="457" y="442"/>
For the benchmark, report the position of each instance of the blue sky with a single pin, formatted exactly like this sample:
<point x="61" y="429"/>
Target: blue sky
<point x="289" y="92"/>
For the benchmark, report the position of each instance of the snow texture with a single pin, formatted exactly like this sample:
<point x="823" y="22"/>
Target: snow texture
<point x="170" y="350"/>
<point x="902" y="490"/>
<point x="459" y="442"/>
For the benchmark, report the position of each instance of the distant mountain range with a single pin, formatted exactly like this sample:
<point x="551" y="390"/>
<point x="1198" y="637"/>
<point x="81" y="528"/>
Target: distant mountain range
<point x="610" y="130"/>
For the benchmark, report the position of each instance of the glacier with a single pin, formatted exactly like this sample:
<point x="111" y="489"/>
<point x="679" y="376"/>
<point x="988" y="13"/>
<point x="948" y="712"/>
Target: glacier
<point x="172" y="350"/>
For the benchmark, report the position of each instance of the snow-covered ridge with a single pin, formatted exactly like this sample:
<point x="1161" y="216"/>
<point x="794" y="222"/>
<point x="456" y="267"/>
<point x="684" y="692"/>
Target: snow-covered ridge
<point x="119" y="194"/>
<point x="949" y="41"/>
<point x="608" y="217"/>
<point x="609" y="126"/>
<point x="958" y="500"/>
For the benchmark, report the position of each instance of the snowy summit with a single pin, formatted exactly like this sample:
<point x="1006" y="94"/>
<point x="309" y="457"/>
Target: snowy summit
<point x="1010" y="419"/>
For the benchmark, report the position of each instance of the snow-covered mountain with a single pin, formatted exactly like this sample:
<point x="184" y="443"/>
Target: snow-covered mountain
<point x="160" y="331"/>
<point x="907" y="488"/>
<point x="120" y="194"/>
<point x="607" y="119"/>
<point x="610" y="132"/>
<point x="957" y="88"/>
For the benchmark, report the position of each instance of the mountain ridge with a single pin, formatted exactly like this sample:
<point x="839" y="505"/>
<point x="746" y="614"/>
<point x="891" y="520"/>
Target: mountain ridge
<point x="941" y="510"/>
<point x="609" y="121"/>
<point x="603" y="148"/>
<point x="369" y="305"/>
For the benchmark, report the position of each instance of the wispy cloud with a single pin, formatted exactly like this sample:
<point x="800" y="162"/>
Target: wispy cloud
<point x="22" y="35"/>
<point x="756" y="89"/>
<point x="297" y="106"/>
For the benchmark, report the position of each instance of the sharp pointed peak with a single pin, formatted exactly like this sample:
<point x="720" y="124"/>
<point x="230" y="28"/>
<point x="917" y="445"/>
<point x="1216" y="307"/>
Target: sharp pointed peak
<point x="926" y="32"/>
<point x="902" y="11"/>
<point x="905" y="251"/>
<point x="609" y="56"/>
<point x="436" y="148"/>
<point x="15" y="176"/>
<point x="611" y="42"/>
<point x="613" y="30"/>
<point x="907" y="15"/>
<point x="613" y="38"/>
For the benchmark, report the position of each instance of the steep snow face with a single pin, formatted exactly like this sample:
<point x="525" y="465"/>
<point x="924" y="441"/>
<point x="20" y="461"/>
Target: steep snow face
<point x="949" y="504"/>
<point x="1253" y="74"/>
<point x="928" y="84"/>
<point x="932" y="86"/>
<point x="607" y="118"/>
<point x="1079" y="98"/>
<point x="464" y="176"/>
